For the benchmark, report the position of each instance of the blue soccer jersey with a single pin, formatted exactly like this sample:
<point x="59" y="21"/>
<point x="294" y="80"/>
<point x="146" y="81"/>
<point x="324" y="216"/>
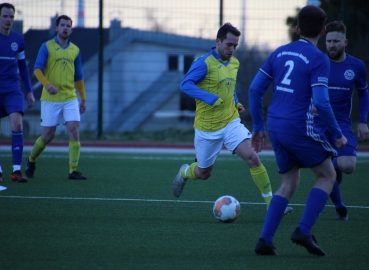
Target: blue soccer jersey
<point x="344" y="77"/>
<point x="295" y="68"/>
<point x="12" y="58"/>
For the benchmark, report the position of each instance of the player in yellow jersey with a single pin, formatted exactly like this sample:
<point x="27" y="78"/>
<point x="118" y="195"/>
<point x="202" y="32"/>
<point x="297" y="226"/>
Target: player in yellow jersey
<point x="211" y="81"/>
<point x="58" y="67"/>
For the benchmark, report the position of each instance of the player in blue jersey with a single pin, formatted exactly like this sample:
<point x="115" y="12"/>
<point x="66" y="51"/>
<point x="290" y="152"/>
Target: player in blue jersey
<point x="346" y="73"/>
<point x="59" y="69"/>
<point x="211" y="81"/>
<point x="299" y="72"/>
<point x="12" y="59"/>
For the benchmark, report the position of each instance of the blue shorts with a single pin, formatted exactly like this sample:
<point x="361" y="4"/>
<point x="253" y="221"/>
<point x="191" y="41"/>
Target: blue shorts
<point x="302" y="150"/>
<point x="11" y="102"/>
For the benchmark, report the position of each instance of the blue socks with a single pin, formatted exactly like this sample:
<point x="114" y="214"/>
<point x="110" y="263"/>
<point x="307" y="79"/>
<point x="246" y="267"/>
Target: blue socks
<point x="273" y="218"/>
<point x="17" y="147"/>
<point x="314" y="206"/>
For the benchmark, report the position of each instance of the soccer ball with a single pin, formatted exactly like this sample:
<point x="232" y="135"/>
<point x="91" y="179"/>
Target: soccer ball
<point x="226" y="209"/>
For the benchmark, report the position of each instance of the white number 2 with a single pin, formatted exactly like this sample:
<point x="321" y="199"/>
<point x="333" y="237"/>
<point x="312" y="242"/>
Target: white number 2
<point x="285" y="79"/>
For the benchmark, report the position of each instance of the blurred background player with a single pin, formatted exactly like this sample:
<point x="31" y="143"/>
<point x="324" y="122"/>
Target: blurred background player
<point x="12" y="59"/>
<point x="211" y="81"/>
<point x="58" y="67"/>
<point x="346" y="73"/>
<point x="299" y="72"/>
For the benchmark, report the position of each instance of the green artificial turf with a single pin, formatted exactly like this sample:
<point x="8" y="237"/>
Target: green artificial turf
<point x="125" y="217"/>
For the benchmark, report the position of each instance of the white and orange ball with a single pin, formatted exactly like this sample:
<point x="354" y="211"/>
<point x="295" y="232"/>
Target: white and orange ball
<point x="226" y="209"/>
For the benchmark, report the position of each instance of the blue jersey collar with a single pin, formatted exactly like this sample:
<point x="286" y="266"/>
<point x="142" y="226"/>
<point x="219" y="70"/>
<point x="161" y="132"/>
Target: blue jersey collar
<point x="217" y="56"/>
<point x="57" y="41"/>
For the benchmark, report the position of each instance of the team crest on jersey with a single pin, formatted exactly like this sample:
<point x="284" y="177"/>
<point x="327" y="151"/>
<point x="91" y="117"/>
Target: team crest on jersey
<point x="349" y="74"/>
<point x="14" y="46"/>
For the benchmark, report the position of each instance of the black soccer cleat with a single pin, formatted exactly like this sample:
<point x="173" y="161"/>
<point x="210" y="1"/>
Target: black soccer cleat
<point x="263" y="248"/>
<point x="76" y="176"/>
<point x="307" y="241"/>
<point x="341" y="213"/>
<point x="30" y="168"/>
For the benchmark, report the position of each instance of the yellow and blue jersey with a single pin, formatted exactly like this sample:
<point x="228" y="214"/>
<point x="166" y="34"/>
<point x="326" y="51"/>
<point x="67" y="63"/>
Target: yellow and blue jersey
<point x="62" y="67"/>
<point x="209" y="79"/>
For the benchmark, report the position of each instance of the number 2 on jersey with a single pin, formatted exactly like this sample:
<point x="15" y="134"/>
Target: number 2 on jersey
<point x="285" y="80"/>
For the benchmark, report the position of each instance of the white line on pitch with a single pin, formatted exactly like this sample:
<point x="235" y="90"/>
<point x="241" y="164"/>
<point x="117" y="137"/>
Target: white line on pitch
<point x="147" y="200"/>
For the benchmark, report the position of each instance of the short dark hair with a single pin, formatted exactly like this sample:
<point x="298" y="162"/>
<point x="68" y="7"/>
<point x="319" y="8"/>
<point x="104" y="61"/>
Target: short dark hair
<point x="63" y="17"/>
<point x="311" y="20"/>
<point x="225" y="29"/>
<point x="336" y="26"/>
<point x="6" y="5"/>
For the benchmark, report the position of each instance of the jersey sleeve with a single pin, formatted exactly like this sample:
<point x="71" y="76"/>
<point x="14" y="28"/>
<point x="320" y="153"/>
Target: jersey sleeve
<point x="258" y="88"/>
<point x="320" y="71"/>
<point x="23" y="68"/>
<point x="361" y="82"/>
<point x="78" y="75"/>
<point x="195" y="75"/>
<point x="41" y="58"/>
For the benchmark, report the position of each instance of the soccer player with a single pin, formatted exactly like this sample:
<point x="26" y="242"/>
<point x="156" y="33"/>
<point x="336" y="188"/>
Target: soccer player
<point x="58" y="67"/>
<point x="12" y="59"/>
<point x="211" y="81"/>
<point x="299" y="72"/>
<point x="346" y="73"/>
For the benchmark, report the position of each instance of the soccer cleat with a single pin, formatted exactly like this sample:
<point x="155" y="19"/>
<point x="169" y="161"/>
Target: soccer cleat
<point x="307" y="241"/>
<point x="76" y="176"/>
<point x="18" y="177"/>
<point x="341" y="213"/>
<point x="263" y="248"/>
<point x="179" y="182"/>
<point x="30" y="168"/>
<point x="1" y="176"/>
<point x="288" y="210"/>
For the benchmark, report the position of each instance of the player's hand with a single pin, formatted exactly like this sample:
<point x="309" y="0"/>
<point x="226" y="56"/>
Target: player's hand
<point x="30" y="100"/>
<point x="258" y="140"/>
<point x="341" y="142"/>
<point x="82" y="107"/>
<point x="240" y="109"/>
<point x="362" y="132"/>
<point x="51" y="89"/>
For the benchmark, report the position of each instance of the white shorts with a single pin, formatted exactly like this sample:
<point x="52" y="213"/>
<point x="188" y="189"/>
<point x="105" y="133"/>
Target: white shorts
<point x="209" y="144"/>
<point x="51" y="112"/>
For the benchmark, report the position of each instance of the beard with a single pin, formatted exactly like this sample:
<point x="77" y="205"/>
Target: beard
<point x="335" y="55"/>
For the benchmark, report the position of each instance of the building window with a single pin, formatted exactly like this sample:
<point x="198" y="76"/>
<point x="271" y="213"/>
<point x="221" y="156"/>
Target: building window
<point x="187" y="62"/>
<point x="173" y="62"/>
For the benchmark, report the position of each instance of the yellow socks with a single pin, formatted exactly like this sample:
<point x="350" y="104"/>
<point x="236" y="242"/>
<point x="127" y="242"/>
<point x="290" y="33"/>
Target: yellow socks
<point x="74" y="152"/>
<point x="261" y="180"/>
<point x="189" y="173"/>
<point x="37" y="149"/>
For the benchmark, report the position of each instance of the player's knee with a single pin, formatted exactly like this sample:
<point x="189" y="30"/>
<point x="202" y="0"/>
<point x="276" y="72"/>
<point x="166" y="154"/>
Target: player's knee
<point x="348" y="169"/>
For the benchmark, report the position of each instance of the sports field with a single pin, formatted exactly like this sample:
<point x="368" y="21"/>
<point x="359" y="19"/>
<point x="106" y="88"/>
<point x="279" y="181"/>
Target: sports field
<point x="125" y="216"/>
